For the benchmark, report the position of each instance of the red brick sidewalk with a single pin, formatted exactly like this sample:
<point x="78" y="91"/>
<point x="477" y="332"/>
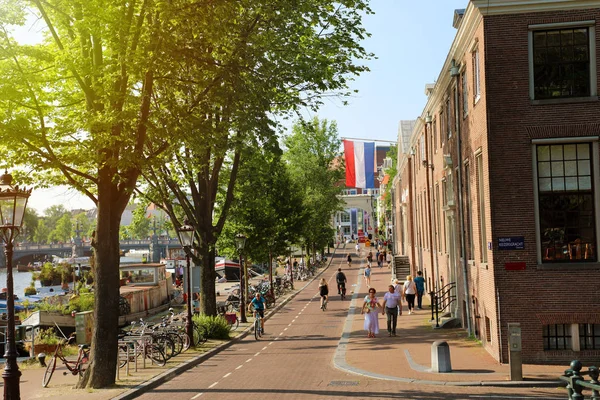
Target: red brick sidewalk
<point x="408" y="356"/>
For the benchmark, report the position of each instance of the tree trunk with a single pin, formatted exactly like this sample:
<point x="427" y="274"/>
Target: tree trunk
<point x="208" y="276"/>
<point x="102" y="370"/>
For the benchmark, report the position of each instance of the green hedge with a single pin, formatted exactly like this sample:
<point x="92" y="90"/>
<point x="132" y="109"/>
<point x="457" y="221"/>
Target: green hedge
<point x="215" y="327"/>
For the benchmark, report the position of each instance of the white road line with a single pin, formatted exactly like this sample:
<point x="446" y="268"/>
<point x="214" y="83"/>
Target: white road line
<point x="264" y="348"/>
<point x="226" y="375"/>
<point x="281" y="334"/>
<point x="285" y="329"/>
<point x="248" y="360"/>
<point x="270" y="343"/>
<point x="213" y="385"/>
<point x="289" y="324"/>
<point x="239" y="366"/>
<point x="196" y="396"/>
<point x="257" y="354"/>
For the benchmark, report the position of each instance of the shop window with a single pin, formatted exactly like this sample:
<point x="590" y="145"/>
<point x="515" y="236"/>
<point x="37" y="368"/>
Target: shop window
<point x="566" y="203"/>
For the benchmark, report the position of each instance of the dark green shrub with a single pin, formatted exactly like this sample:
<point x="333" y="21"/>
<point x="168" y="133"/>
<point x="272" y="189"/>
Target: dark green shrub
<point x="215" y="327"/>
<point x="84" y="302"/>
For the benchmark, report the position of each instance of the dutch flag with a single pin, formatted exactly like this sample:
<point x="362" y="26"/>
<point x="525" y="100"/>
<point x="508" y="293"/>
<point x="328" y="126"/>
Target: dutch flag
<point x="360" y="164"/>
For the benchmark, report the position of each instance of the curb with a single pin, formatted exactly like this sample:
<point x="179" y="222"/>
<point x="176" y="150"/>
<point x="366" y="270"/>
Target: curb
<point x="186" y="365"/>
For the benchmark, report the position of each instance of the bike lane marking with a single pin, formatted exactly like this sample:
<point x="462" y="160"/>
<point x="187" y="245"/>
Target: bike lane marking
<point x="196" y="396"/>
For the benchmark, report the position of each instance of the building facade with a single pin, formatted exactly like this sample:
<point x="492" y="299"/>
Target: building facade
<point x="498" y="188"/>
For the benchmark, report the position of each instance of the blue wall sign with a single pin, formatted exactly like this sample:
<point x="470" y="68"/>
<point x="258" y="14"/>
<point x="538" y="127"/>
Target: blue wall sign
<point x="511" y="243"/>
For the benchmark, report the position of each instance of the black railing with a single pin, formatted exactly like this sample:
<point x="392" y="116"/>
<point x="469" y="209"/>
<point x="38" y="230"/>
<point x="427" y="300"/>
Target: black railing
<point x="576" y="384"/>
<point x="441" y="301"/>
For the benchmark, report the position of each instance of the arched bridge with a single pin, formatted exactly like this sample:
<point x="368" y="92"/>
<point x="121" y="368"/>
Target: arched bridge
<point x="23" y="253"/>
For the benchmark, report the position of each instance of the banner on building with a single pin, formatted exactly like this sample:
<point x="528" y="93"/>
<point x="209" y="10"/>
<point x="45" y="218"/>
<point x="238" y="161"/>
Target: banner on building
<point x="360" y="164"/>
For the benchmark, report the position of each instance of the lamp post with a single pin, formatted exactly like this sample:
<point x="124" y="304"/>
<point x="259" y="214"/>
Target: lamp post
<point x="291" y="269"/>
<point x="13" y="201"/>
<point x="240" y="243"/>
<point x="270" y="243"/>
<point x="186" y="237"/>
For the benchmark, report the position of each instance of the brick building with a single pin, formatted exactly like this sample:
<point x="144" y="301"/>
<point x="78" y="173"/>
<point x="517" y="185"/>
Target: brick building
<point x="499" y="182"/>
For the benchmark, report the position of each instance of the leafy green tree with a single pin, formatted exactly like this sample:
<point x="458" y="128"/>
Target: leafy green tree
<point x="311" y="153"/>
<point x="140" y="224"/>
<point x="30" y="223"/>
<point x="262" y="60"/>
<point x="53" y="214"/>
<point x="75" y="110"/>
<point x="63" y="231"/>
<point x="270" y="220"/>
<point x="42" y="232"/>
<point x="392" y="171"/>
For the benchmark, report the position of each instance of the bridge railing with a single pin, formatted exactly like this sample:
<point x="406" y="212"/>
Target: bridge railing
<point x="577" y="384"/>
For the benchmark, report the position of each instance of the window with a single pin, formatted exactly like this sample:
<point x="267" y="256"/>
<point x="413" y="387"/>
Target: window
<point x="562" y="62"/>
<point x="422" y="148"/>
<point x="344" y="217"/>
<point x="488" y="330"/>
<point x="468" y="212"/>
<point x="557" y="337"/>
<point x="589" y="336"/>
<point x="476" y="79"/>
<point x="448" y="119"/>
<point x="442" y="125"/>
<point x="465" y="94"/>
<point x="434" y="134"/>
<point x="566" y="202"/>
<point x="438" y="217"/>
<point x="481" y="201"/>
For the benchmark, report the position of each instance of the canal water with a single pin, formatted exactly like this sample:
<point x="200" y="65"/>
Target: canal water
<point x="21" y="281"/>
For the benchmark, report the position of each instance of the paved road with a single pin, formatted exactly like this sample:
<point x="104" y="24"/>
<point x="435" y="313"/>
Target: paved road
<point x="294" y="360"/>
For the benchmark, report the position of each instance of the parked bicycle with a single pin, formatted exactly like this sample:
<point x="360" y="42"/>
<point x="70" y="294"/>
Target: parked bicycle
<point x="75" y="367"/>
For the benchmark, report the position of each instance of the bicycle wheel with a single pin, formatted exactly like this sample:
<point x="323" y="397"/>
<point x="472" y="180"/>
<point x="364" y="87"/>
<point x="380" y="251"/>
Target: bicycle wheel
<point x="122" y="356"/>
<point x="199" y="335"/>
<point x="233" y="325"/>
<point x="157" y="356"/>
<point x="83" y="363"/>
<point x="177" y="341"/>
<point x="256" y="329"/>
<point x="260" y="332"/>
<point x="165" y="344"/>
<point x="49" y="371"/>
<point x="186" y="340"/>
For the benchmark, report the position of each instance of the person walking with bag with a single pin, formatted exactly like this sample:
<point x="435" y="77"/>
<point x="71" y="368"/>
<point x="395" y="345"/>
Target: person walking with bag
<point x="367" y="275"/>
<point x="369" y="309"/>
<point x="409" y="292"/>
<point x="392" y="307"/>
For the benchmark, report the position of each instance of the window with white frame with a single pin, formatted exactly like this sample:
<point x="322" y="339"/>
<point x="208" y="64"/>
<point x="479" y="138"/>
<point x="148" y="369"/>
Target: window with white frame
<point x="476" y="77"/>
<point x="448" y="119"/>
<point x="422" y="148"/>
<point x="562" y="58"/>
<point x="566" y="203"/>
<point x="465" y="93"/>
<point x="344" y="217"/>
<point x="481" y="201"/>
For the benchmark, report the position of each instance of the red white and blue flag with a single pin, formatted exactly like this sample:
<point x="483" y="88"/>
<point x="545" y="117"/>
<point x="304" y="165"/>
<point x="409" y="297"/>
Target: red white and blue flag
<point x="360" y="164"/>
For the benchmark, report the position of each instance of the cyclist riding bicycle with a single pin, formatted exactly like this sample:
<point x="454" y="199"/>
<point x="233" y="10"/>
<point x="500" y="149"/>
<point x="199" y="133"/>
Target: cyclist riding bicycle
<point x="341" y="280"/>
<point x="257" y="305"/>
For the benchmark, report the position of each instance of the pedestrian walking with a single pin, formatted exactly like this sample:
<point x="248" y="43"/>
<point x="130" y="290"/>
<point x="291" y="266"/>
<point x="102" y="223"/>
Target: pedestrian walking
<point x="410" y="290"/>
<point x="388" y="259"/>
<point x="369" y="309"/>
<point x="324" y="293"/>
<point x="392" y="307"/>
<point x="380" y="259"/>
<point x="370" y="258"/>
<point x="420" y="284"/>
<point x="349" y="259"/>
<point x="367" y="275"/>
<point x="357" y="248"/>
<point x="377" y="257"/>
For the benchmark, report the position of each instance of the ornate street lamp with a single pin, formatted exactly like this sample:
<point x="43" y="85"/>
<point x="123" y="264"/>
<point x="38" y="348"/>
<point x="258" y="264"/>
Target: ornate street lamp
<point x="240" y="243"/>
<point x="186" y="237"/>
<point x="13" y="201"/>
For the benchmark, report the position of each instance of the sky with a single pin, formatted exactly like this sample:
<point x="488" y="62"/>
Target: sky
<point x="410" y="40"/>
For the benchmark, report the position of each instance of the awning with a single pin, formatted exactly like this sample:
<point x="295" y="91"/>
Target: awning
<point x="386" y="179"/>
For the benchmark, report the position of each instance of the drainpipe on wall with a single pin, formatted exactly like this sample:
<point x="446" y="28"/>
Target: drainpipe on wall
<point x="428" y="166"/>
<point x="454" y="73"/>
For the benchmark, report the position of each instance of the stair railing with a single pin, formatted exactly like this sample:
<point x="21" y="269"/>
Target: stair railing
<point x="441" y="300"/>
